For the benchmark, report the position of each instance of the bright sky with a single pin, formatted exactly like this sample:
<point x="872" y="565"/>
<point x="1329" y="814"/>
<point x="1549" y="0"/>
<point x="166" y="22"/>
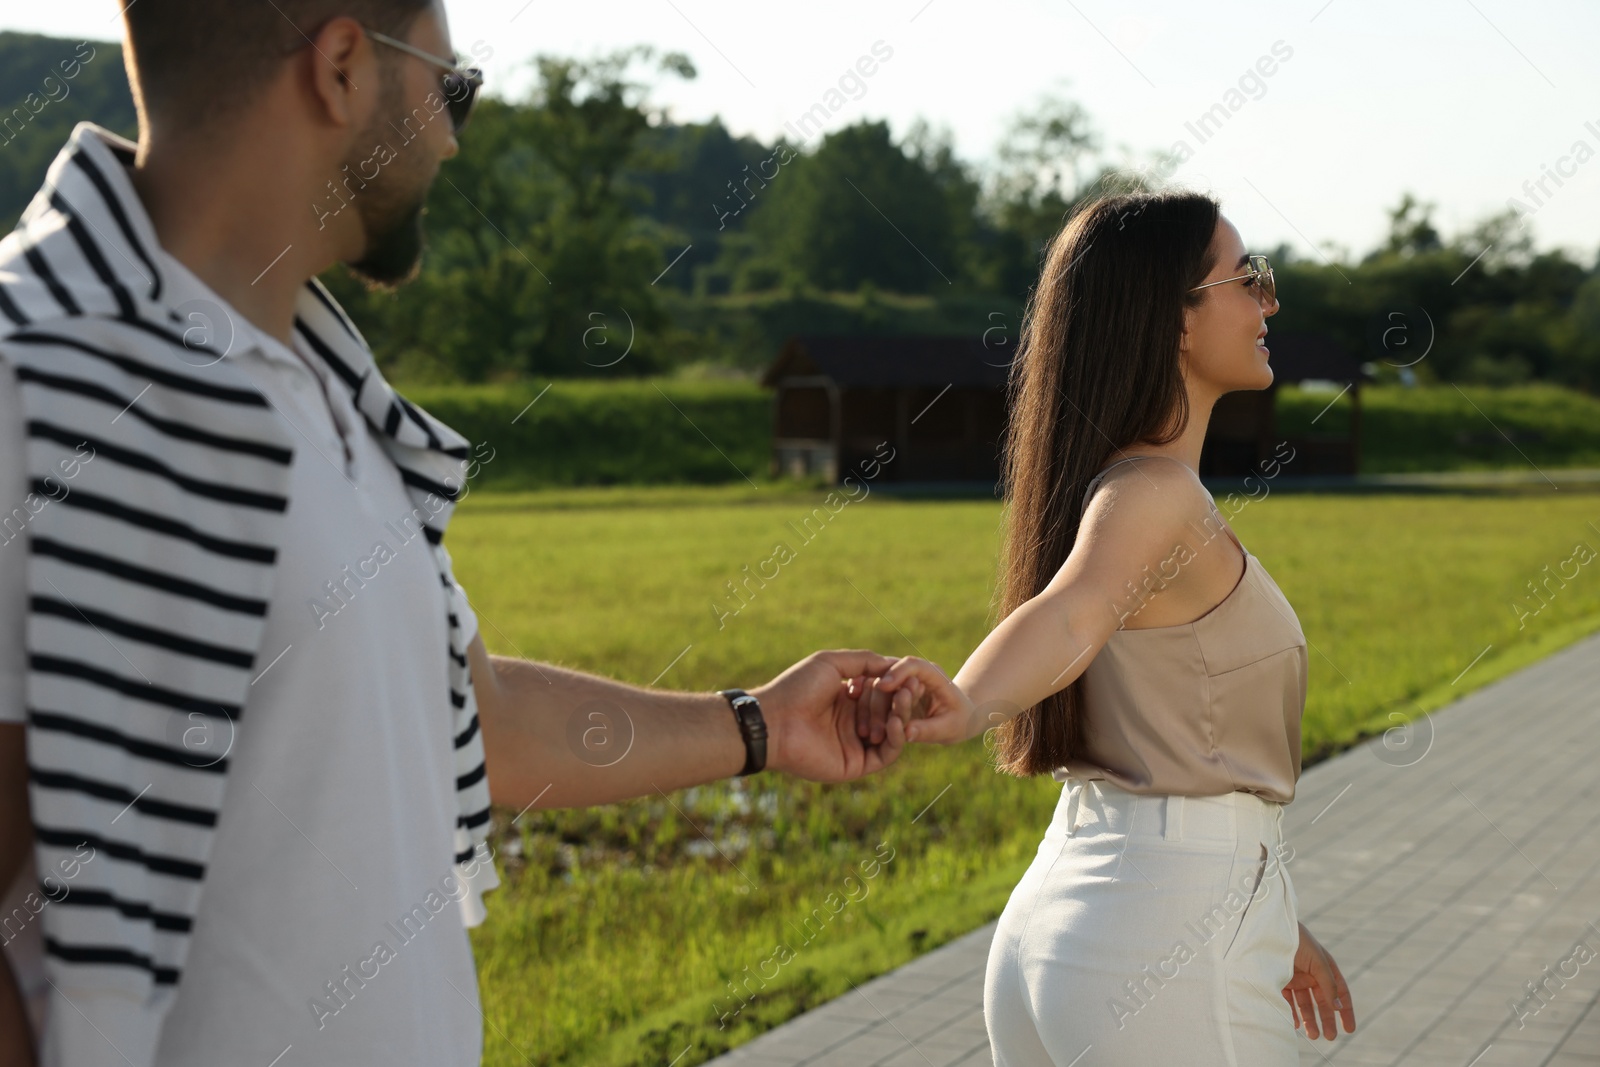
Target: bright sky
<point x="1458" y="101"/>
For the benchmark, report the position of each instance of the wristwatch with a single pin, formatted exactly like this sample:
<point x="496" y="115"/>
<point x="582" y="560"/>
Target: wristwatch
<point x="747" y="712"/>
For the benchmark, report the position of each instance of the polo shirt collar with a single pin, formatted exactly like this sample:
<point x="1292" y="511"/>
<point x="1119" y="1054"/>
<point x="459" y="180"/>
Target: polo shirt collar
<point x="124" y="276"/>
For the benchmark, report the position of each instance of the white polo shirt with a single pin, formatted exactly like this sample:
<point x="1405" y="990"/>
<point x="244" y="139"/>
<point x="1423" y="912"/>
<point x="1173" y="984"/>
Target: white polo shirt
<point x="320" y="937"/>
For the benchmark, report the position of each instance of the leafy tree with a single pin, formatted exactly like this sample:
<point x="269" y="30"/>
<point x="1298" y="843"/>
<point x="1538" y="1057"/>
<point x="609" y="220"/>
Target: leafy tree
<point x="541" y="258"/>
<point x="1041" y="157"/>
<point x="934" y="151"/>
<point x="1577" y="339"/>
<point x="859" y="209"/>
<point x="1411" y="229"/>
<point x="550" y="232"/>
<point x="692" y="172"/>
<point x="1048" y="163"/>
<point x="47" y="86"/>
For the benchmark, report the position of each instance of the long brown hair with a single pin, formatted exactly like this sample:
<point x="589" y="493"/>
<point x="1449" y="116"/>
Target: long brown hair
<point x="1097" y="370"/>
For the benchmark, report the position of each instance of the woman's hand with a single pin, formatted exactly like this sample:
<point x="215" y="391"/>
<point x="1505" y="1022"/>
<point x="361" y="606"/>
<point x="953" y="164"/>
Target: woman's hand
<point x="931" y="706"/>
<point x="1317" y="983"/>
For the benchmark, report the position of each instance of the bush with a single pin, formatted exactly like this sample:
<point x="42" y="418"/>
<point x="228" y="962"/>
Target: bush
<point x="567" y="432"/>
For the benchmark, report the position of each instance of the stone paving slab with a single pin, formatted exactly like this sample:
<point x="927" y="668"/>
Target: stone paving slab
<point x="1453" y="872"/>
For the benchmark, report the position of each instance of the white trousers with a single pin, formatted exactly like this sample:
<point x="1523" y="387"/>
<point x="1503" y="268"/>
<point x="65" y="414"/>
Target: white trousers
<point x="1150" y="929"/>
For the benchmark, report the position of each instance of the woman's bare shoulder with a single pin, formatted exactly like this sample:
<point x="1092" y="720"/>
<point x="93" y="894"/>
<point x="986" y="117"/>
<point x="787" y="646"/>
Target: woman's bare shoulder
<point x="1137" y="517"/>
<point x="1149" y="491"/>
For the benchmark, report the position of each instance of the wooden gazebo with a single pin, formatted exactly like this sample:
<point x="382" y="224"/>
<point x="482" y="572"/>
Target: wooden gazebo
<point x="940" y="402"/>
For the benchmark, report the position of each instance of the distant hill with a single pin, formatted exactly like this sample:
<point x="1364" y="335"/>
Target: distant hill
<point x="47" y="86"/>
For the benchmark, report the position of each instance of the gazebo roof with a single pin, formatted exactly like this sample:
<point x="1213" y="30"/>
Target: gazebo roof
<point x="868" y="361"/>
<point x="1299" y="356"/>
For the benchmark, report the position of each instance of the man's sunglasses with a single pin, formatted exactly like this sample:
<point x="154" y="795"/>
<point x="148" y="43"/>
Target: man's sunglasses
<point x="461" y="84"/>
<point x="1260" y="276"/>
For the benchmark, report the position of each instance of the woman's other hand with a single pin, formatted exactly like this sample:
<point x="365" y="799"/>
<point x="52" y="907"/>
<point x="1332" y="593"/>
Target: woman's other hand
<point x="1317" y="984"/>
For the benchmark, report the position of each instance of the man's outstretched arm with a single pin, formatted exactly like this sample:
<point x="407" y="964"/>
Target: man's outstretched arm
<point x="559" y="738"/>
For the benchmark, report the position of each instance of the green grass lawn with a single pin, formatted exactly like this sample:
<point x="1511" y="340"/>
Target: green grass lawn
<point x="617" y="932"/>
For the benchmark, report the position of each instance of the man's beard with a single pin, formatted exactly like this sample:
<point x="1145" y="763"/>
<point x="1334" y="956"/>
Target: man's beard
<point x="391" y="212"/>
<point x="394" y="253"/>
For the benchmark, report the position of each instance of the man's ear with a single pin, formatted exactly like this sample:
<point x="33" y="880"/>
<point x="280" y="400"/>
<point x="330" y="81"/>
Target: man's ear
<point x="343" y="76"/>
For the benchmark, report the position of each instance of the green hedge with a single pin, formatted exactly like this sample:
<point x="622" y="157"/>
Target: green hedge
<point x="635" y="432"/>
<point x="1458" y="428"/>
<point x="660" y="431"/>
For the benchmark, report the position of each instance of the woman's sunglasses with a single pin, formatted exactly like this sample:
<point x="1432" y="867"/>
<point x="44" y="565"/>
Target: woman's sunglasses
<point x="461" y="84"/>
<point x="1260" y="276"/>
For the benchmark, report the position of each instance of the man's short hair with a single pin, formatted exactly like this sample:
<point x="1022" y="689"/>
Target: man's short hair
<point x="196" y="61"/>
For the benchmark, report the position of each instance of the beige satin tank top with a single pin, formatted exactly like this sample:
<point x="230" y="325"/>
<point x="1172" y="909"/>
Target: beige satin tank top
<point x="1202" y="708"/>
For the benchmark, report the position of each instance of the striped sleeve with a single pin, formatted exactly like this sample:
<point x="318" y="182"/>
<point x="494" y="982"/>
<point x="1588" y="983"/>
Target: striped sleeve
<point x="148" y="578"/>
<point x="465" y="616"/>
<point x="474" y="859"/>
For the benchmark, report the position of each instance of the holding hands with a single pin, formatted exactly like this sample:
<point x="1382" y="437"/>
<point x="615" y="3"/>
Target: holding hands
<point x="930" y="707"/>
<point x="812" y="710"/>
<point x="843" y="713"/>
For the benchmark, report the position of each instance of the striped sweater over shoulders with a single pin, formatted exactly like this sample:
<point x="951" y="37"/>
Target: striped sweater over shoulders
<point x="179" y="472"/>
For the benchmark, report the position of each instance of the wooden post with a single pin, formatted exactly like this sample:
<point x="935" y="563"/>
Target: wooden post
<point x="902" y="425"/>
<point x="1355" y="426"/>
<point x="835" y="430"/>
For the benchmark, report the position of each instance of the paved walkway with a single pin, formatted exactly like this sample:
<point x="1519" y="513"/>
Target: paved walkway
<point x="1446" y="875"/>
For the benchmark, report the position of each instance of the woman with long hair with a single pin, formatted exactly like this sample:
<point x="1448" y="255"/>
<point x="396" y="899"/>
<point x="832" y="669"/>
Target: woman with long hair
<point x="1145" y="659"/>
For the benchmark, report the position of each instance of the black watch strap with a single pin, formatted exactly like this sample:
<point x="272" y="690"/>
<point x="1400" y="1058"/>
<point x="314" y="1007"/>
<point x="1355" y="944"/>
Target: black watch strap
<point x="752" y="726"/>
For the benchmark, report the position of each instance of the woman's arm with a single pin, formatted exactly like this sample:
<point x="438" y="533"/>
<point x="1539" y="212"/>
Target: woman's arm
<point x="1135" y="531"/>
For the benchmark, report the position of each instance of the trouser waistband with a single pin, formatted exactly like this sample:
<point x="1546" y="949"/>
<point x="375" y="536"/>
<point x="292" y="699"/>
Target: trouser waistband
<point x="1229" y="815"/>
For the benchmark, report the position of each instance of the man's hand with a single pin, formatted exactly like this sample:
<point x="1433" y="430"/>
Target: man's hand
<point x="812" y="711"/>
